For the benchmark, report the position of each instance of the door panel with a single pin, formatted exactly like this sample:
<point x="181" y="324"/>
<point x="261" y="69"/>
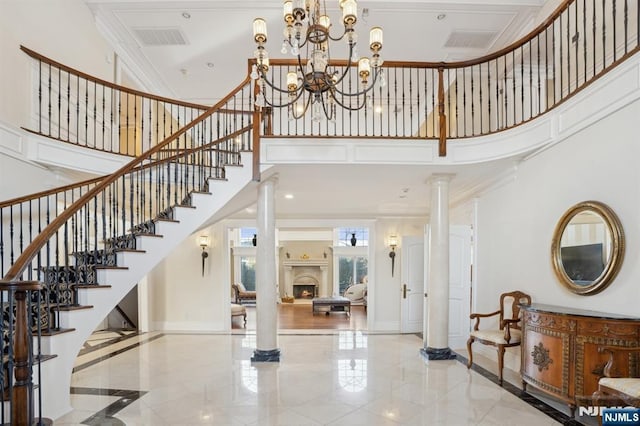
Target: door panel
<point x="412" y="284"/>
<point x="459" y="285"/>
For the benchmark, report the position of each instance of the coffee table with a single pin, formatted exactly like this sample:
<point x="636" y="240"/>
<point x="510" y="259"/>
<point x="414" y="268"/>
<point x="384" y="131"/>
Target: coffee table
<point x="334" y="303"/>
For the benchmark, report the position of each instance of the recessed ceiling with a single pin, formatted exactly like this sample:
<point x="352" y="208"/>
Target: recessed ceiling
<point x="160" y="36"/>
<point x="172" y="52"/>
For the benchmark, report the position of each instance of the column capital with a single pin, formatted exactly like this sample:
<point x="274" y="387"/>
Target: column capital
<point x="274" y="178"/>
<point x="440" y="177"/>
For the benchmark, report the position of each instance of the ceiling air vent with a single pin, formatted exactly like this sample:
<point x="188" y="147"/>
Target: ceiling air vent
<point x="471" y="39"/>
<point x="160" y="36"/>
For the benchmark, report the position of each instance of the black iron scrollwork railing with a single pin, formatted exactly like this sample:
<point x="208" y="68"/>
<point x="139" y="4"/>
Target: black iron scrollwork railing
<point x="52" y="243"/>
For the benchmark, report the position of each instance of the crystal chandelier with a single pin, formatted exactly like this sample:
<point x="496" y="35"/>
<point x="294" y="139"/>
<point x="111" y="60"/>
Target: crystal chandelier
<point x="315" y="83"/>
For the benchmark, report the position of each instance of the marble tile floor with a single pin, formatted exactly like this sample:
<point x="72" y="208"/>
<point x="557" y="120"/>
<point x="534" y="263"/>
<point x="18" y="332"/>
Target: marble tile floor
<point x="332" y="378"/>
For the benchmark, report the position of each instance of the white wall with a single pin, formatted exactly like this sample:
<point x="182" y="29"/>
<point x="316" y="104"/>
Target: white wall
<point x="180" y="298"/>
<point x="387" y="292"/>
<point x="516" y="222"/>
<point x="61" y="30"/>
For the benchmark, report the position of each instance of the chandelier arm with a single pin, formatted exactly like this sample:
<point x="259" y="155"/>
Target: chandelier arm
<point x="324" y="108"/>
<point x="348" y="108"/>
<point x="346" y="71"/>
<point x="337" y="38"/>
<point x="300" y="66"/>
<point x="304" y="111"/>
<point x="273" y="86"/>
<point x="300" y="45"/>
<point x="291" y="102"/>
<point x="361" y="92"/>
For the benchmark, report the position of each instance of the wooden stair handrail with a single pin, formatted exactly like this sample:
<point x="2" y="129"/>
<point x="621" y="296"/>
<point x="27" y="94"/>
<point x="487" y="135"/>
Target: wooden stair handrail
<point x="109" y="84"/>
<point x="59" y="189"/>
<point x="22" y="262"/>
<point x="445" y="65"/>
<point x="52" y="191"/>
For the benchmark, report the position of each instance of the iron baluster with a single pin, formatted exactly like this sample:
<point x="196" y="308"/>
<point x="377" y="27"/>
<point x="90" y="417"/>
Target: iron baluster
<point x="68" y="107"/>
<point x="59" y="103"/>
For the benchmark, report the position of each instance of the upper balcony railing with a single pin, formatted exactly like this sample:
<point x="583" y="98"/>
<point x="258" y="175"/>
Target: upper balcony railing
<point x="578" y="43"/>
<point x="73" y="107"/>
<point x="581" y="41"/>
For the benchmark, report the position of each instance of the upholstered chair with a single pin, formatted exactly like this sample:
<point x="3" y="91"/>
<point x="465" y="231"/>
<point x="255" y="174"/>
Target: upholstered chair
<point x="508" y="332"/>
<point x="239" y="311"/>
<point x="356" y="293"/>
<point x="242" y="294"/>
<point x="614" y="389"/>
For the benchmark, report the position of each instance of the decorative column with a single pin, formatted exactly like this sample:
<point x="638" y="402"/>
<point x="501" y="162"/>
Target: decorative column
<point x="324" y="282"/>
<point x="266" y="278"/>
<point x="436" y="346"/>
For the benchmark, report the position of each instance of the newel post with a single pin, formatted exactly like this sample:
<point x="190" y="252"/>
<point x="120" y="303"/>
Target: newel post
<point x="442" y="144"/>
<point x="22" y="402"/>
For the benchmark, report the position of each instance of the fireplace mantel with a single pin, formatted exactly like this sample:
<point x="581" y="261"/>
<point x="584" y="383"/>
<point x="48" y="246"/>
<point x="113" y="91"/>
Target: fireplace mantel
<point x="306" y="262"/>
<point x="318" y="268"/>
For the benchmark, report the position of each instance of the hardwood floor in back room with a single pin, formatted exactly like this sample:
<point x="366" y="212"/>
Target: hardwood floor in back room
<point x="299" y="317"/>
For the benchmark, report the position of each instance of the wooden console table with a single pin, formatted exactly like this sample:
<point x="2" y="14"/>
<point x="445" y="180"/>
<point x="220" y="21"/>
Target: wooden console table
<point x="560" y="350"/>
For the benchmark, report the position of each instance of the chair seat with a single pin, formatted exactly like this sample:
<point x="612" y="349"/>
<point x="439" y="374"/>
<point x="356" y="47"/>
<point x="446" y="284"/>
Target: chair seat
<point x="628" y="386"/>
<point x="237" y="309"/>
<point x="497" y="336"/>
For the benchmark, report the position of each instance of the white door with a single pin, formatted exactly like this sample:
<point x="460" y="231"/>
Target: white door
<point x="459" y="285"/>
<point x="412" y="284"/>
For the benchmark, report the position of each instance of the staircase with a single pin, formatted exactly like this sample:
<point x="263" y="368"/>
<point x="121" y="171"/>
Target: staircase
<point x="69" y="255"/>
<point x="97" y="280"/>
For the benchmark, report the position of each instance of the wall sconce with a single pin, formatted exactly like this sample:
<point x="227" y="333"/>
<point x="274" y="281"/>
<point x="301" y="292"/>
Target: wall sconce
<point x="204" y="243"/>
<point x="393" y="243"/>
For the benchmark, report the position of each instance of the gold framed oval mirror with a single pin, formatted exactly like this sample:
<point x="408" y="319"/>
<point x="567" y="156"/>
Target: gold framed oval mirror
<point x="587" y="247"/>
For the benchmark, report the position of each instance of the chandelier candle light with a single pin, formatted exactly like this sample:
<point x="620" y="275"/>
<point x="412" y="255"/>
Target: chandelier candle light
<point x="315" y="82"/>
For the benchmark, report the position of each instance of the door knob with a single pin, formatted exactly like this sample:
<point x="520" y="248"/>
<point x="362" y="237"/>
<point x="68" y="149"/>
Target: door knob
<point x="404" y="291"/>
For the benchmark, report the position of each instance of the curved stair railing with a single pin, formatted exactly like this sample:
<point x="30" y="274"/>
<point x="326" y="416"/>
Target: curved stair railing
<point x="51" y="258"/>
<point x="74" y="107"/>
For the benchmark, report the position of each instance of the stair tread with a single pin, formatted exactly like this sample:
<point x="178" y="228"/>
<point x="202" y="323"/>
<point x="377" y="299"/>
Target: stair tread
<point x="56" y="331"/>
<point x="43" y="358"/>
<point x="91" y="285"/>
<point x="109" y="267"/>
<point x="71" y="308"/>
<point x="164" y="219"/>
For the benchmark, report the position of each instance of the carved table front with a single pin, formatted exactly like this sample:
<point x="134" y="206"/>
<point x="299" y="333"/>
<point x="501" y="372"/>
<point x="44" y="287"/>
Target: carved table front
<point x="560" y="349"/>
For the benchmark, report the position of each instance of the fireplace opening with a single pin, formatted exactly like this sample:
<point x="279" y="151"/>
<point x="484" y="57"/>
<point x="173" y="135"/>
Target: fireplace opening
<point x="304" y="291"/>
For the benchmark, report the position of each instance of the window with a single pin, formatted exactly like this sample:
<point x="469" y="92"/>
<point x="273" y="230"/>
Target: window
<point x="248" y="272"/>
<point x="246" y="237"/>
<point x="346" y="235"/>
<point x="351" y="270"/>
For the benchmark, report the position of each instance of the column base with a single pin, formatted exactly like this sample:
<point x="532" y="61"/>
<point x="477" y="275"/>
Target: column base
<point x="272" y="355"/>
<point x="437" y="354"/>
